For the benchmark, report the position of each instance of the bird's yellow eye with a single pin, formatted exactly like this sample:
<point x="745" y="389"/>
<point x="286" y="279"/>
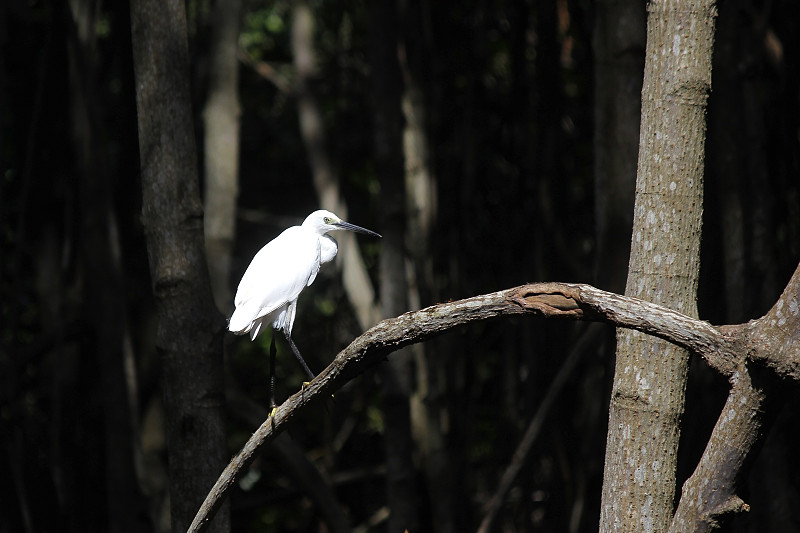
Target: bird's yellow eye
<point x="327" y="220"/>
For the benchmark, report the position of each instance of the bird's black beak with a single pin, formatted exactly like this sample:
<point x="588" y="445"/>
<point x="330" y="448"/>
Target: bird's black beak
<point x="352" y="227"/>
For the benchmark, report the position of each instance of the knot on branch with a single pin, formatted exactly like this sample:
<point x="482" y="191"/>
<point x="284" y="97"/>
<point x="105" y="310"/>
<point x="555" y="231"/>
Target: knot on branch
<point x="731" y="505"/>
<point x="554" y="300"/>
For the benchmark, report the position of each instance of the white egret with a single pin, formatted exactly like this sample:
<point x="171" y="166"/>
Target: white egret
<point x="278" y="273"/>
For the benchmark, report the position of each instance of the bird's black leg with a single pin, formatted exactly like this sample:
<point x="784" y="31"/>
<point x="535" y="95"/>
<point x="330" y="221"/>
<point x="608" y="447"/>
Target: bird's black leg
<point x="272" y="404"/>
<point x="299" y="357"/>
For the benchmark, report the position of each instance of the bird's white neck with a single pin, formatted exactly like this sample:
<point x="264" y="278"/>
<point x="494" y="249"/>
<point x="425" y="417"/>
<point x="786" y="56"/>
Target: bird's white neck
<point x="328" y="248"/>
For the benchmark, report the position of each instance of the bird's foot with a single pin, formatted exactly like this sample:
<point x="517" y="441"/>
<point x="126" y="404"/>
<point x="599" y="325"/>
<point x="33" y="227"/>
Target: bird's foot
<point x="273" y="407"/>
<point x="306" y="384"/>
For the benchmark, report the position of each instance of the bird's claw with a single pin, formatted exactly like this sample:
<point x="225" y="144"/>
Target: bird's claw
<point x="272" y="411"/>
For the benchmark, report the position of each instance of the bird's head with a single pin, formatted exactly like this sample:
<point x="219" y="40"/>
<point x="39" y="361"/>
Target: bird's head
<point x="323" y="221"/>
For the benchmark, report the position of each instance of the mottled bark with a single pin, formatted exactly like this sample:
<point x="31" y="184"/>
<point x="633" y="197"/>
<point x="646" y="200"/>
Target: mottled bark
<point x="743" y="174"/>
<point x="619" y="44"/>
<point x="710" y="493"/>
<point x="190" y="329"/>
<point x="724" y="348"/>
<point x="772" y="342"/>
<point x="650" y="376"/>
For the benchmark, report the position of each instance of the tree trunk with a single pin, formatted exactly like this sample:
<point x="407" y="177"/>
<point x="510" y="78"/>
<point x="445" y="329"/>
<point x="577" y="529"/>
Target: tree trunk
<point x="355" y="279"/>
<point x="105" y="305"/>
<point x="396" y="376"/>
<point x="221" y="117"/>
<point x="619" y="44"/>
<point x="710" y="493"/>
<point x="190" y="329"/>
<point x="427" y="408"/>
<point x="420" y="182"/>
<point x="650" y="376"/>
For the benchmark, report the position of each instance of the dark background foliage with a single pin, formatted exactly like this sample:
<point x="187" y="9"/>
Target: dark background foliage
<point x="508" y="88"/>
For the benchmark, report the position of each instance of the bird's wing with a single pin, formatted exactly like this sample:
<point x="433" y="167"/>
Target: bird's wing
<point x="277" y="274"/>
<point x="315" y="270"/>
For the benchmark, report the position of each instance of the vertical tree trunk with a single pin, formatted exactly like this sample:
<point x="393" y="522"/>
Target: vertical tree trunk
<point x="105" y="305"/>
<point x="355" y="279"/>
<point x="221" y="117"/>
<point x="396" y="375"/>
<point x="426" y="407"/>
<point x="619" y="44"/>
<point x="650" y="376"/>
<point x="420" y="182"/>
<point x="190" y="329"/>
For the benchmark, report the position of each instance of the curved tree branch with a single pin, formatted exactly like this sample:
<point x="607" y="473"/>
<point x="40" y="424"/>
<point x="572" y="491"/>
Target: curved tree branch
<point x="710" y="492"/>
<point x="307" y="477"/>
<point x="588" y="303"/>
<point x="551" y="300"/>
<point x="773" y="341"/>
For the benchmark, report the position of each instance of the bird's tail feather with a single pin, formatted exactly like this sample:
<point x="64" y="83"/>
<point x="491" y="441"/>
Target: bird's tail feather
<point x="240" y="322"/>
<point x="254" y="331"/>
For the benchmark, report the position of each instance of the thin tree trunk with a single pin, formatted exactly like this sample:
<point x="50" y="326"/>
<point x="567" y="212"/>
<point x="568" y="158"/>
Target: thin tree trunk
<point x="619" y="44"/>
<point x="190" y="329"/>
<point x="105" y="303"/>
<point x="396" y="377"/>
<point x="427" y="409"/>
<point x="650" y="376"/>
<point x="221" y="117"/>
<point x="420" y="182"/>
<point x="355" y="279"/>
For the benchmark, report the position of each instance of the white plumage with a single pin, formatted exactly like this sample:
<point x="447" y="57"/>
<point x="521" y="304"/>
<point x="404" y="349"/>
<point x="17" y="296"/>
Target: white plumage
<point x="279" y="272"/>
<point x="272" y="283"/>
